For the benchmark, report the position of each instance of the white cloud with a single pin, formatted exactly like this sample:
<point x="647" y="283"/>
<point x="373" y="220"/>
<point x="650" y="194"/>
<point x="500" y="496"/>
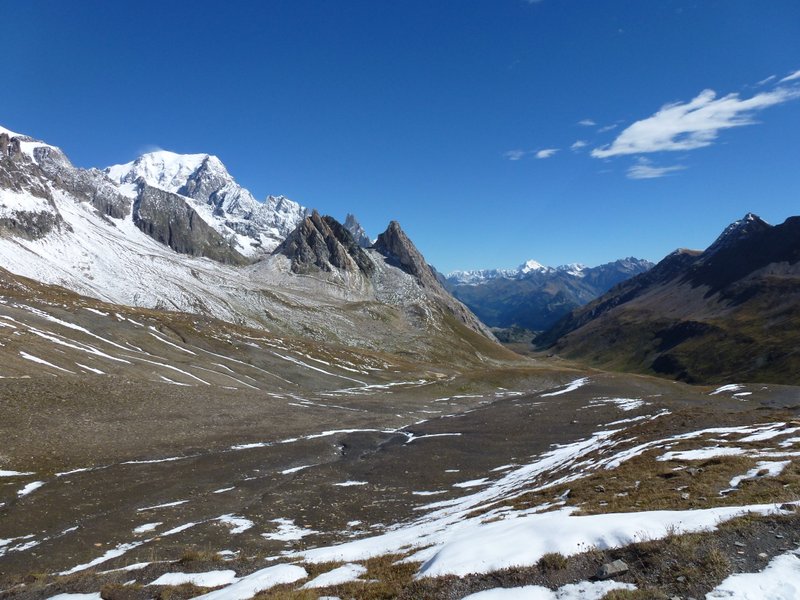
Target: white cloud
<point x="644" y="169"/>
<point x="767" y="80"/>
<point x="607" y="128"/>
<point x="791" y="77"/>
<point x="578" y="145"/>
<point x="546" y="153"/>
<point x="587" y="123"/>
<point x="514" y="154"/>
<point x="694" y="124"/>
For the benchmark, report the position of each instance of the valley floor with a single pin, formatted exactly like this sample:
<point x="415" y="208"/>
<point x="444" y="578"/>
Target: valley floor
<point x="480" y="477"/>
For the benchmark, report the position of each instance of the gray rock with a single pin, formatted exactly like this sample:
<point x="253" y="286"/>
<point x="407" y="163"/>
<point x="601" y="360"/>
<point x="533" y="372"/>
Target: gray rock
<point x="612" y="569"/>
<point x="323" y="244"/>
<point x="168" y="218"/>
<point x="400" y="252"/>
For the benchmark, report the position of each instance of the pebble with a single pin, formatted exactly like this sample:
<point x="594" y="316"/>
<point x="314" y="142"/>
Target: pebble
<point x="740" y="544"/>
<point x="763" y="555"/>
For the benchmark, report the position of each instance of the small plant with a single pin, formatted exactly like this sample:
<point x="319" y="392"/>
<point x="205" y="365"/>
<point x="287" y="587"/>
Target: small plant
<point x="552" y="561"/>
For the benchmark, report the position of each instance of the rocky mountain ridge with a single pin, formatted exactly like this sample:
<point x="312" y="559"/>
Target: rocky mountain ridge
<point x="727" y="312"/>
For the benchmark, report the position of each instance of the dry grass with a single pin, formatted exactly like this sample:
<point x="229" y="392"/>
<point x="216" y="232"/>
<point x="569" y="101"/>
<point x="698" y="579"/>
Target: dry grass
<point x="385" y="578"/>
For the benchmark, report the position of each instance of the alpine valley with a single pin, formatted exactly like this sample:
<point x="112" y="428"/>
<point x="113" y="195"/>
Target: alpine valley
<point x="207" y="395"/>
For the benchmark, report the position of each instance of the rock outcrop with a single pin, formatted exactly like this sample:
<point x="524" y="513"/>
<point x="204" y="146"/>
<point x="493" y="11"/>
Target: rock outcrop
<point x="169" y="219"/>
<point x="401" y="252"/>
<point x="323" y="244"/>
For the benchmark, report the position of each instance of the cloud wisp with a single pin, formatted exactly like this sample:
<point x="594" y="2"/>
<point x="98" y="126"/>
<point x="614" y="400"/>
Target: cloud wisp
<point x="587" y="123"/>
<point x="791" y="77"/>
<point x="578" y="144"/>
<point x="644" y="169"/>
<point x="515" y="154"/>
<point x="546" y="153"/>
<point x="695" y="124"/>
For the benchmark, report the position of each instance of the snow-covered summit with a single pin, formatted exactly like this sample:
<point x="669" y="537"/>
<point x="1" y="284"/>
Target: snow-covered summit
<point x="256" y="227"/>
<point x="531" y="265"/>
<point x="162" y="169"/>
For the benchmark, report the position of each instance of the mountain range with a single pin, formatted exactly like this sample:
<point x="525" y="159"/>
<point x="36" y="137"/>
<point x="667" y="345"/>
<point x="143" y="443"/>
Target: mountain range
<point x="534" y="296"/>
<point x="728" y="312"/>
<point x="176" y="232"/>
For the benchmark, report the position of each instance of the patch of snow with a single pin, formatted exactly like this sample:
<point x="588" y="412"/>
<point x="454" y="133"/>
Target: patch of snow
<point x="91" y="596"/>
<point x="236" y="524"/>
<point x="209" y="579"/>
<point x="221" y="490"/>
<point x="113" y="553"/>
<point x="350" y="483"/>
<point x="13" y="474"/>
<point x="773" y="470"/>
<point x="147" y="527"/>
<point x="624" y="404"/>
<point x="165" y="505"/>
<point x="295" y="469"/>
<point x="287" y="531"/>
<point x="472" y="483"/>
<point x="31" y="487"/>
<point x="731" y="387"/>
<point x="41" y="361"/>
<point x="484" y="547"/>
<point x="701" y="453"/>
<point x="249" y="586"/>
<point x="571" y="387"/>
<point x="585" y="590"/>
<point x="343" y="574"/>
<point x="178" y="529"/>
<point x="769" y="434"/>
<point x="780" y="580"/>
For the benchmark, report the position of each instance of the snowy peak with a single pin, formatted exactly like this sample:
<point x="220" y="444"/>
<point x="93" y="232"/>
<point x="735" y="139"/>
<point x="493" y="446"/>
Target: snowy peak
<point x="738" y="231"/>
<point x="162" y="169"/>
<point x="532" y="266"/>
<point x="255" y="227"/>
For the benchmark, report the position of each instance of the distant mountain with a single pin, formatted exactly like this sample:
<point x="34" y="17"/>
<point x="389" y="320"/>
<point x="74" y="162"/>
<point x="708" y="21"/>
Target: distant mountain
<point x="357" y="231"/>
<point x="728" y="313"/>
<point x="534" y="296"/>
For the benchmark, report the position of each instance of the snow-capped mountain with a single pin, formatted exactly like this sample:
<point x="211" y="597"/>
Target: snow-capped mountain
<point x="529" y="267"/>
<point x="535" y="296"/>
<point x="255" y="228"/>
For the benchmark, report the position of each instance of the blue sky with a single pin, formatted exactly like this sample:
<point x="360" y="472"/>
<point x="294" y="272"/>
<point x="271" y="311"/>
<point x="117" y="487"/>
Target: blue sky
<point x="459" y="119"/>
